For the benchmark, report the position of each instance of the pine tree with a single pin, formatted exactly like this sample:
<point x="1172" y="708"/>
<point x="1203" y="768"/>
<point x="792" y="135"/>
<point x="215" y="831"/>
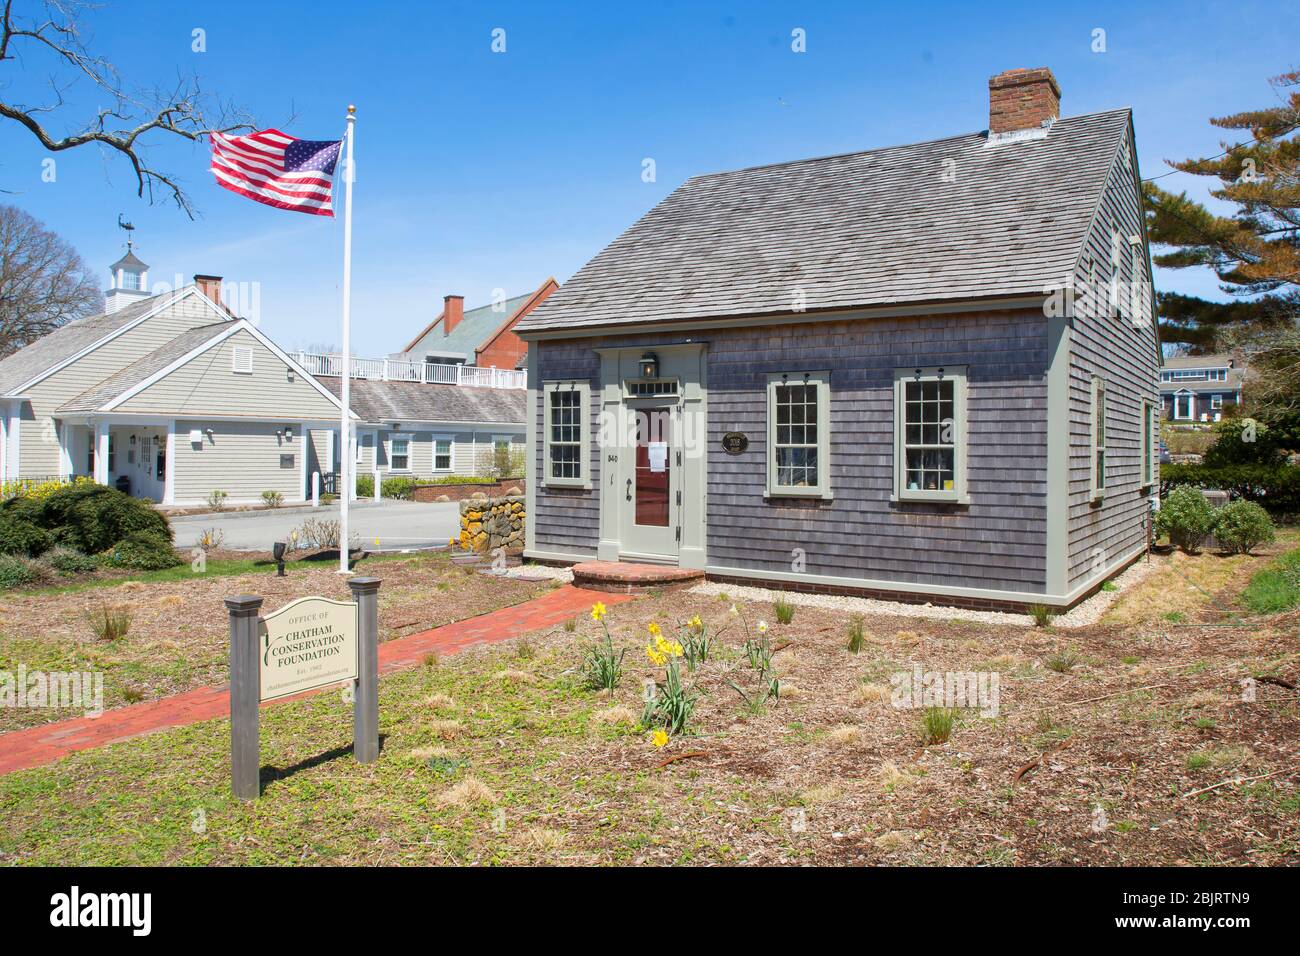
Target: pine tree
<point x="1255" y="252"/>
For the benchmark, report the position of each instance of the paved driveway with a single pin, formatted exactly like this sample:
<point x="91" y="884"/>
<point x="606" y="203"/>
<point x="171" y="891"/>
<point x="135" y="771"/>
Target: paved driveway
<point x="396" y="524"/>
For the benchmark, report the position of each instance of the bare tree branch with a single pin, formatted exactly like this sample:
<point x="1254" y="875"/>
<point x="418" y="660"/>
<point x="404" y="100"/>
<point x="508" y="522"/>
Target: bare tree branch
<point x="184" y="110"/>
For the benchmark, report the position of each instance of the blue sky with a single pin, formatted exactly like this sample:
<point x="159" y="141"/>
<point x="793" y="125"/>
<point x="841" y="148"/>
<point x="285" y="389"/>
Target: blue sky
<point x="480" y="170"/>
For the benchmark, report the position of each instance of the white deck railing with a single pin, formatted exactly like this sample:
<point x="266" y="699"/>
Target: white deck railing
<point x="401" y="370"/>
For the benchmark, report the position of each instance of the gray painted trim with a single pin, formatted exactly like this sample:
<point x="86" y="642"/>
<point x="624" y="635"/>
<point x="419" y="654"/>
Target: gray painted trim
<point x="531" y="471"/>
<point x="822" y="379"/>
<point x="1058" y="454"/>
<point x="960" y="492"/>
<point x="584" y="434"/>
<point x="573" y="557"/>
<point x="834" y="315"/>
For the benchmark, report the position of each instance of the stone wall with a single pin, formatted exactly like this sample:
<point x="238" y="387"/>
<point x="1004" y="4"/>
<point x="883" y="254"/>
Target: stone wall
<point x="510" y="486"/>
<point x="490" y="523"/>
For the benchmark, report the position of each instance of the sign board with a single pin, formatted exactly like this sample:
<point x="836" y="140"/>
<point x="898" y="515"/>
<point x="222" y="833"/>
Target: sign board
<point x="307" y="644"/>
<point x="658" y="453"/>
<point x="734" y="443"/>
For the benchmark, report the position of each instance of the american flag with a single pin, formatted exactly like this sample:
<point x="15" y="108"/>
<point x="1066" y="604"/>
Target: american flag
<point x="278" y="170"/>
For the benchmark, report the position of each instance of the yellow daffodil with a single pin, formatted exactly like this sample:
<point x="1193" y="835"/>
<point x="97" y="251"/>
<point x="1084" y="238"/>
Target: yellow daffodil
<point x="659" y="738"/>
<point x="735" y="611"/>
<point x="654" y="629"/>
<point x="657" y="658"/>
<point x="762" y="627"/>
<point x="674" y="648"/>
<point x="597" y="611"/>
<point x="695" y="624"/>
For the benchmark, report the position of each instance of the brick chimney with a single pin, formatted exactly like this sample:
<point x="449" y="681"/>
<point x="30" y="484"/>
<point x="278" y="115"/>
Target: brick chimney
<point x="1023" y="99"/>
<point x="453" y="310"/>
<point x="209" y="286"/>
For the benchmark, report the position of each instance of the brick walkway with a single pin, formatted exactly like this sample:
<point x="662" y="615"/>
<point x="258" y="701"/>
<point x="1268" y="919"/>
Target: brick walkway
<point x="37" y="746"/>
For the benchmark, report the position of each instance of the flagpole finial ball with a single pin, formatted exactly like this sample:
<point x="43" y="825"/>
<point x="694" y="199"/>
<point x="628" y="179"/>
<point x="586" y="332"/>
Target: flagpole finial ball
<point x="351" y="109"/>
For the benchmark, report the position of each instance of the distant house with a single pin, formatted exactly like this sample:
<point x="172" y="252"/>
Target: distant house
<point x="451" y="403"/>
<point x="865" y="373"/>
<point x="168" y="397"/>
<point x="484" y="336"/>
<point x="1199" y="388"/>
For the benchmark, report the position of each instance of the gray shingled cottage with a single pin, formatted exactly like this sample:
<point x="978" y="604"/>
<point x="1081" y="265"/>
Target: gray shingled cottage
<point x="926" y="372"/>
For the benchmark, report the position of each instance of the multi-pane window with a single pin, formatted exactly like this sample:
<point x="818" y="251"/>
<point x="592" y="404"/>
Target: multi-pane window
<point x="1149" y="427"/>
<point x="399" y="453"/>
<point x="442" y="454"/>
<point x="565" y="431"/>
<point x="1098" y="437"/>
<point x="929" y="426"/>
<point x="929" y="442"/>
<point x="798" y="434"/>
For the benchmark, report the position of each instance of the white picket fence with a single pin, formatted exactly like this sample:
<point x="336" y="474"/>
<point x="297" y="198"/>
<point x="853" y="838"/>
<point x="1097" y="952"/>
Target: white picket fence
<point x="401" y="370"/>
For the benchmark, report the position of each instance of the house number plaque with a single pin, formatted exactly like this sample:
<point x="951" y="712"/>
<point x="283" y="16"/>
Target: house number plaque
<point x="733" y="443"/>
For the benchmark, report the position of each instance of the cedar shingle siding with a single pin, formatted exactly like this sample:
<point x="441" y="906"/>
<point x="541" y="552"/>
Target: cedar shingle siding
<point x="908" y="272"/>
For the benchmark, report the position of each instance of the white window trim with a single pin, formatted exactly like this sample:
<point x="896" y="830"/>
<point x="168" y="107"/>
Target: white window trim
<point x="822" y="379"/>
<point x="234" y="359"/>
<point x="451" y="454"/>
<point x="960" y="493"/>
<point x="1191" y="406"/>
<point x="410" y="442"/>
<point x="1097" y="439"/>
<point x="1150" y="441"/>
<point x="583" y="479"/>
<point x="1216" y="401"/>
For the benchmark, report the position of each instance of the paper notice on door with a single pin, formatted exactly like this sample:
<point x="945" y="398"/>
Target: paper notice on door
<point x="658" y="452"/>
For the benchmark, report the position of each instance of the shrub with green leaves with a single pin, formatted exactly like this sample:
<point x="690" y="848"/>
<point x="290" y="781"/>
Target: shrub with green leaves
<point x="16" y="572"/>
<point x="143" y="551"/>
<point x="1242" y="526"/>
<point x="94" y="518"/>
<point x="70" y="563"/>
<point x="20" y="529"/>
<point x="602" y="666"/>
<point x="1187" y="517"/>
<point x="272" y="499"/>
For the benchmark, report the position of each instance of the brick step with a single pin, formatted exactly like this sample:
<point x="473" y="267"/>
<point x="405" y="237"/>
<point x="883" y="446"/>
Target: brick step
<point x="627" y="577"/>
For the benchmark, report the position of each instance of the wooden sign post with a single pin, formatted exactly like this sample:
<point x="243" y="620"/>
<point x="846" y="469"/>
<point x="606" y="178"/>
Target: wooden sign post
<point x="307" y="644"/>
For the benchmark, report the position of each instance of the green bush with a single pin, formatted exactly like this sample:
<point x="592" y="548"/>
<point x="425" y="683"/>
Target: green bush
<point x="400" y="487"/>
<point x="20" y="529"/>
<point x="1241" y="526"/>
<point x="70" y="563"/>
<point x="1276" y="488"/>
<point x="1242" y="441"/>
<point x="143" y="551"/>
<point x="93" y="518"/>
<point x="1186" y="517"/>
<point x="15" y="572"/>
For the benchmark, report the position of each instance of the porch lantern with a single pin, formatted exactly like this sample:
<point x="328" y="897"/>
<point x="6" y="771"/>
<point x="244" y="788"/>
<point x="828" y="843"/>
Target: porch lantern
<point x="649" y="365"/>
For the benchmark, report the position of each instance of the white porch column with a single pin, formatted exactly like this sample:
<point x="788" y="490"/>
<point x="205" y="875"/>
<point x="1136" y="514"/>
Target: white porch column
<point x="169" y="477"/>
<point x="101" y="453"/>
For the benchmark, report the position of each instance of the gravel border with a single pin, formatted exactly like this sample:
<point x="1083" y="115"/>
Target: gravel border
<point x="1082" y="615"/>
<point x="540" y="572"/>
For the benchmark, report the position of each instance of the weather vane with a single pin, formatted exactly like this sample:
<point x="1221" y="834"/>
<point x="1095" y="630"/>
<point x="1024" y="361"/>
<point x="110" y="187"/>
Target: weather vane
<point x="126" y="227"/>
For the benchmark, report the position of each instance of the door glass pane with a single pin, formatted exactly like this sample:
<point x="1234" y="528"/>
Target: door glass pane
<point x="653" y="466"/>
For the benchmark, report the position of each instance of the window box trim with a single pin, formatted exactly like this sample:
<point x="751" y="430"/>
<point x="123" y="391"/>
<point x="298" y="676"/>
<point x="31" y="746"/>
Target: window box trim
<point x="1097" y="437"/>
<point x="583" y="479"/>
<point x="822" y="490"/>
<point x="410" y="440"/>
<point x="960" y="493"/>
<point x="1150" y="441"/>
<point x="433" y="453"/>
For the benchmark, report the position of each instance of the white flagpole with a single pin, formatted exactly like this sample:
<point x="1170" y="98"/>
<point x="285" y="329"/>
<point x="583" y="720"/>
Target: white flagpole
<point x="345" y="452"/>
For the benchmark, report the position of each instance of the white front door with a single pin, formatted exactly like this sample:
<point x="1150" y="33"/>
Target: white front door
<point x="140" y="454"/>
